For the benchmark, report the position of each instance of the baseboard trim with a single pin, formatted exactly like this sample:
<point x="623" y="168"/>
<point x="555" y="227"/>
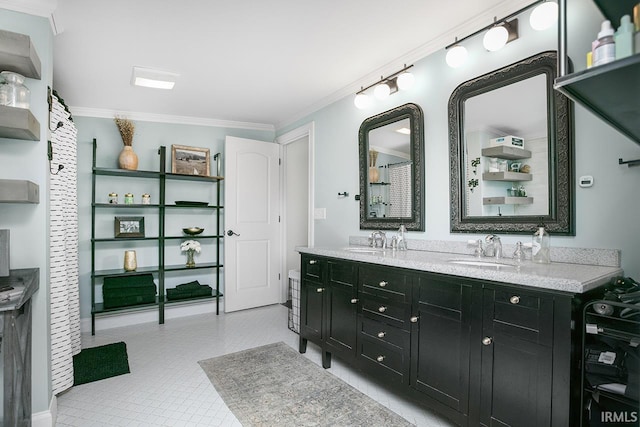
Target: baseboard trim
<point x="46" y="418"/>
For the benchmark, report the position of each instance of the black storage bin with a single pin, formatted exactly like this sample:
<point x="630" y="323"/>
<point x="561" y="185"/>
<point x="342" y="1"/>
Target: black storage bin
<point x="122" y="291"/>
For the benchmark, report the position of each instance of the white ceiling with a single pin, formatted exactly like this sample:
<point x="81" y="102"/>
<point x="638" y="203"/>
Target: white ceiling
<point x="250" y="61"/>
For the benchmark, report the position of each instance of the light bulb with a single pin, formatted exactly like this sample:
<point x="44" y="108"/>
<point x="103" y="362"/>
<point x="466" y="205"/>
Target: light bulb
<point x="495" y="38"/>
<point x="544" y="16"/>
<point x="362" y="101"/>
<point x="405" y="80"/>
<point x="382" y="91"/>
<point x="456" y="56"/>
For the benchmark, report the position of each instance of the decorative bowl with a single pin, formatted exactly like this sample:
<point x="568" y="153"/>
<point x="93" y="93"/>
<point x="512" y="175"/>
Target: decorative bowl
<point x="192" y="231"/>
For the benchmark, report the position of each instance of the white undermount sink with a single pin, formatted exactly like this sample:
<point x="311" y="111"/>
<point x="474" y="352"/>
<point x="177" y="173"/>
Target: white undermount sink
<point x="480" y="263"/>
<point x="364" y="250"/>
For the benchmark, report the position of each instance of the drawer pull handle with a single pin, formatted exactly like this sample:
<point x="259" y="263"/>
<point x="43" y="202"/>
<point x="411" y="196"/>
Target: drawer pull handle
<point x="320" y="290"/>
<point x="313" y="261"/>
<point x="514" y="299"/>
<point x="414" y="319"/>
<point x="382" y="309"/>
<point x="381" y="334"/>
<point x="487" y="340"/>
<point x="380" y="358"/>
<point x="354" y="301"/>
<point x="383" y="284"/>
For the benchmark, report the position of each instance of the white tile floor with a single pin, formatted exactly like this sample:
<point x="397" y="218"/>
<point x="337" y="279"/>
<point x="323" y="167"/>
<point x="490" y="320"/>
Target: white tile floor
<point x="166" y="386"/>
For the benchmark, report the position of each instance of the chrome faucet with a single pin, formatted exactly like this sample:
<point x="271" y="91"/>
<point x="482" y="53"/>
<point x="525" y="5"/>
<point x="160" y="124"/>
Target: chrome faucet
<point x="493" y="247"/>
<point x="378" y="239"/>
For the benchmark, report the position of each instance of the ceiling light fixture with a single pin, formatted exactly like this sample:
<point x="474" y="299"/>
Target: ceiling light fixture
<point x="544" y="16"/>
<point x="498" y="34"/>
<point x="384" y="87"/>
<point x="157" y="79"/>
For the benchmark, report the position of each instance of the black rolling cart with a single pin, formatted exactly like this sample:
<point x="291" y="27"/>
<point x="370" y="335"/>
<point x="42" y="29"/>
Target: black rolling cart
<point x="610" y="364"/>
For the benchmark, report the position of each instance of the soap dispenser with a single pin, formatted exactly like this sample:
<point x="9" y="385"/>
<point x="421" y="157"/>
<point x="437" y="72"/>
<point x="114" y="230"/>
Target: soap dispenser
<point x="540" y="246"/>
<point x="402" y="242"/>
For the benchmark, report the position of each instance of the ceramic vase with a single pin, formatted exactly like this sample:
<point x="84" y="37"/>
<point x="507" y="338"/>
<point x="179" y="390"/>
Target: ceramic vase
<point x="190" y="261"/>
<point x="374" y="174"/>
<point x="130" y="262"/>
<point x="128" y="159"/>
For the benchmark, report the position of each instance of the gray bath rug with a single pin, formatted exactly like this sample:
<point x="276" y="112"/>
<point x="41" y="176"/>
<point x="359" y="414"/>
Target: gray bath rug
<point x="274" y="385"/>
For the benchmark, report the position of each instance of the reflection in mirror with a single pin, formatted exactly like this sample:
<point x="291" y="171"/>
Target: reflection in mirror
<point x="511" y="151"/>
<point x="391" y="177"/>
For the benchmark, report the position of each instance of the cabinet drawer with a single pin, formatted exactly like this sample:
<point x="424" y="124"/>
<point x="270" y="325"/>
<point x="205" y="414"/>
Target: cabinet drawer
<point x="342" y="273"/>
<point x="526" y="315"/>
<point x="384" y="283"/>
<point x="382" y="355"/>
<point x="312" y="268"/>
<point x="383" y="332"/>
<point x="382" y="311"/>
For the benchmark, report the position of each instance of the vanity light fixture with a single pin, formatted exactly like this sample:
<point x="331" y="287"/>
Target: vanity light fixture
<point x="501" y="31"/>
<point x="157" y="79"/>
<point x="500" y="34"/>
<point x="457" y="55"/>
<point x="384" y="87"/>
<point x="544" y="16"/>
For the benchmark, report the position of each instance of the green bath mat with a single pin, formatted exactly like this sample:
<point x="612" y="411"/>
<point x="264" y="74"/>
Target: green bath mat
<point x="98" y="363"/>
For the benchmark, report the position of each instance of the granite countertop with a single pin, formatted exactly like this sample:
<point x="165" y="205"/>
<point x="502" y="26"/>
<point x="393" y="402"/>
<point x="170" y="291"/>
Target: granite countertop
<point x="567" y="277"/>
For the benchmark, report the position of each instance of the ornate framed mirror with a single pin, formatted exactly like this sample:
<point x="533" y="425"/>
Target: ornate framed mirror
<point x="511" y="151"/>
<point x="391" y="159"/>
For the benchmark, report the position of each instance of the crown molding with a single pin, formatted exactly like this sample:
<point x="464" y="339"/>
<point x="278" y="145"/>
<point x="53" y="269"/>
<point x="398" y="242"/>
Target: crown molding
<point x="43" y="8"/>
<point x="165" y="118"/>
<point x="503" y="9"/>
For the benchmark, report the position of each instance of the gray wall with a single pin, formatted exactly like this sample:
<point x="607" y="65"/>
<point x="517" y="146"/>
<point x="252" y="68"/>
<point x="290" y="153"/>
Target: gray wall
<point x="29" y="223"/>
<point x="147" y="138"/>
<point x="606" y="214"/>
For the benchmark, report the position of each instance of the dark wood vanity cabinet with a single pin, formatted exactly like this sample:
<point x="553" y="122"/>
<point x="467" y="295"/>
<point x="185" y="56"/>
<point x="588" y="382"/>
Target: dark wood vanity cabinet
<point x="516" y="356"/>
<point x="479" y="353"/>
<point x="441" y="339"/>
<point x="328" y="306"/>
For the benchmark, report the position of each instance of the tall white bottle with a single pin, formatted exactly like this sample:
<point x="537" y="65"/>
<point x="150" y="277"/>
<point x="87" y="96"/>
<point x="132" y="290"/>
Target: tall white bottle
<point x="541" y="246"/>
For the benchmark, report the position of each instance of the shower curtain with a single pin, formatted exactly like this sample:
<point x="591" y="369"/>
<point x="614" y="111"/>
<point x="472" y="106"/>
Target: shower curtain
<point x="400" y="190"/>
<point x="65" y="304"/>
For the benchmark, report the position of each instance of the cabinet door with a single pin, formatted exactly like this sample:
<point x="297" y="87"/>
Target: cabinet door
<point x="311" y="309"/>
<point x="341" y="308"/>
<point x="516" y="368"/>
<point x="440" y="341"/>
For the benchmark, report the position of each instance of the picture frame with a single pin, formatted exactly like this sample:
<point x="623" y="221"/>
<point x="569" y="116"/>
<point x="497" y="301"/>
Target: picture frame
<point x="128" y="226"/>
<point x="190" y="160"/>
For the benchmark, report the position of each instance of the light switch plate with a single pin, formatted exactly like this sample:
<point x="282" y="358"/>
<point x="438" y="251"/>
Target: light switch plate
<point x="320" y="213"/>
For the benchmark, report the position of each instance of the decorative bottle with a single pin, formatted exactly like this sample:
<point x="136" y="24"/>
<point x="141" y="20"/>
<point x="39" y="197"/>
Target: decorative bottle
<point x="540" y="247"/>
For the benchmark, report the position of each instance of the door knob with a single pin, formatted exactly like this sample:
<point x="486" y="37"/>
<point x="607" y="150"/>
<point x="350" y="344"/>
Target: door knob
<point x="320" y="290"/>
<point x="383" y="284"/>
<point x="382" y="309"/>
<point x="514" y="299"/>
<point x="380" y="358"/>
<point x="487" y="340"/>
<point x="354" y="301"/>
<point x="414" y="319"/>
<point x="381" y="334"/>
<point x="232" y="233"/>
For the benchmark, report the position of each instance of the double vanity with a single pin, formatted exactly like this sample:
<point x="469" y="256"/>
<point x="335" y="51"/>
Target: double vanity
<point x="482" y="341"/>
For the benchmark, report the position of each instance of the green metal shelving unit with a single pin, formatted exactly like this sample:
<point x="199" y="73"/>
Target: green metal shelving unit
<point x="158" y="270"/>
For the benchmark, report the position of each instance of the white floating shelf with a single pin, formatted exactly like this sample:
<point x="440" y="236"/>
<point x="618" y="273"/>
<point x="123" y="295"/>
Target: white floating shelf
<point x="506" y="176"/>
<point x="507" y="200"/>
<point x="506" y="152"/>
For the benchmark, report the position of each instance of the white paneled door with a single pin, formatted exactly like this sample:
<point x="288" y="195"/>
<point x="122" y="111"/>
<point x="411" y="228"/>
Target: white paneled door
<point x="252" y="227"/>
